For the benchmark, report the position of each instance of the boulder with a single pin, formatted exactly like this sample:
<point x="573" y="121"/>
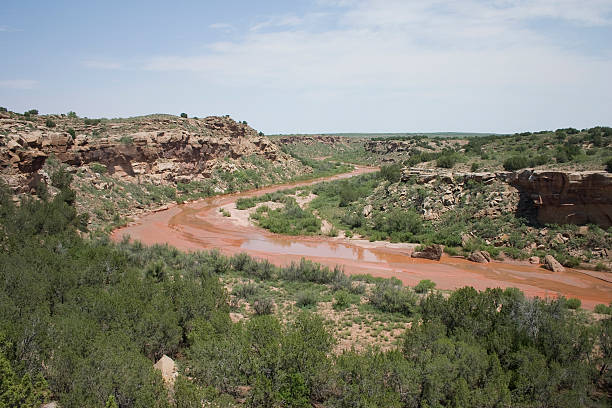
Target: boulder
<point x="551" y="263"/>
<point x="433" y="252"/>
<point x="534" y="260"/>
<point x="367" y="210"/>
<point x="168" y="369"/>
<point x="480" y="257"/>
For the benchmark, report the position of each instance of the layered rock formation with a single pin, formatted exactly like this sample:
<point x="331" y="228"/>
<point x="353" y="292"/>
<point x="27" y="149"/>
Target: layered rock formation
<point x="554" y="197"/>
<point x="152" y="149"/>
<point x="567" y="198"/>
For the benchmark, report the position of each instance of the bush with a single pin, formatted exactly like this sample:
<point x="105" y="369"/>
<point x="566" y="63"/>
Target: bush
<point x="447" y="161"/>
<point x="609" y="165"/>
<point x="72" y="132"/>
<point x="573" y="303"/>
<point x="475" y="166"/>
<point x="245" y="291"/>
<point x="603" y="309"/>
<point x="184" y="115"/>
<point x="72" y="115"/>
<point x="3" y="109"/>
<point x="391" y="173"/>
<point x="50" y="123"/>
<point x="342" y="300"/>
<point x="306" y="298"/>
<point x="98" y="168"/>
<point x="263" y="306"/>
<point x="126" y="140"/>
<point x="32" y="112"/>
<point x="424" y="286"/>
<point x="91" y="122"/>
<point x="390" y="296"/>
<point x="515" y="163"/>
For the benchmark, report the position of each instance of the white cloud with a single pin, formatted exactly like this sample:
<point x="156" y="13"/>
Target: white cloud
<point x="221" y="26"/>
<point x="102" y="64"/>
<point x="21" y="84"/>
<point x="395" y="51"/>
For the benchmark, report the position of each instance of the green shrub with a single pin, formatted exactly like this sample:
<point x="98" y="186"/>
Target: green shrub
<point x="573" y="303"/>
<point x="32" y="112"/>
<point x="392" y="173"/>
<point x="424" y="286"/>
<point x="3" y="109"/>
<point x="72" y="132"/>
<point x="609" y="165"/>
<point x="603" y="309"/>
<point x="475" y="166"/>
<point x="245" y="291"/>
<point x="342" y="300"/>
<point x="91" y="122"/>
<point x="72" y="115"/>
<point x="246" y="203"/>
<point x="50" y="123"/>
<point x="126" y="140"/>
<point x="389" y="296"/>
<point x="98" y="168"/>
<point x="516" y="163"/>
<point x="263" y="306"/>
<point x="306" y="298"/>
<point x="184" y="115"/>
<point x="447" y="161"/>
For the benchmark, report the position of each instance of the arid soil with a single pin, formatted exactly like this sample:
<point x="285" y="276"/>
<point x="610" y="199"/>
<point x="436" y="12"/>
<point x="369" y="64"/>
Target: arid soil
<point x="199" y="226"/>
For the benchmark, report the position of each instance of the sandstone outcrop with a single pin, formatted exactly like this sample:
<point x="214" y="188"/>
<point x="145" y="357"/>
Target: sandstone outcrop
<point x="567" y="198"/>
<point x="551" y="197"/>
<point x="551" y="263"/>
<point x="433" y="252"/>
<point x="480" y="257"/>
<point x="155" y="149"/>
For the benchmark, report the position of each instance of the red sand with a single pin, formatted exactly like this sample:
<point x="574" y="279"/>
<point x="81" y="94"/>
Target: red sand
<point x="199" y="225"/>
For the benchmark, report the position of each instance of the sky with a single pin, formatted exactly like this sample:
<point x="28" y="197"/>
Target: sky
<point x="316" y="66"/>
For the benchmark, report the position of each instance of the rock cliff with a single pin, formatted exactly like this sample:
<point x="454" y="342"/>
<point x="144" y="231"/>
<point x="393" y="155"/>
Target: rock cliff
<point x="551" y="197"/>
<point x="567" y="198"/>
<point x="155" y="149"/>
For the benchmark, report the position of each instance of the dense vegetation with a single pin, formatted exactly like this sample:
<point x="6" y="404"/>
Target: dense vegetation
<point x="83" y="320"/>
<point x="587" y="149"/>
<point x="344" y="203"/>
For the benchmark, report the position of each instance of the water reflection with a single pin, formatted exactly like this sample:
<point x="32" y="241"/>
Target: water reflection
<point x="311" y="249"/>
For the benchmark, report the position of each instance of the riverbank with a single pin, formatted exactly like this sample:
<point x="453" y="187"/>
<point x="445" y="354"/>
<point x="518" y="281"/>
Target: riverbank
<point x="200" y="226"/>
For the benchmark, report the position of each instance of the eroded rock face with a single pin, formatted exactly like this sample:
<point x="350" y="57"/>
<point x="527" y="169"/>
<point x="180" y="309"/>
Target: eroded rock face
<point x="156" y="149"/>
<point x="568" y="198"/>
<point x="433" y="252"/>
<point x="551" y="197"/>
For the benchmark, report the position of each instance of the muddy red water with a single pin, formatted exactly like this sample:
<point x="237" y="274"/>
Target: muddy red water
<point x="199" y="225"/>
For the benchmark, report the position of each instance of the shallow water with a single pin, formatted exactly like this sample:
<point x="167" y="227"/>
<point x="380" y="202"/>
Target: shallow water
<point x="199" y="225"/>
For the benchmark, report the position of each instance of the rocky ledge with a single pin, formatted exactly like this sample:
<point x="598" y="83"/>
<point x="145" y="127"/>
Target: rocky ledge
<point x="555" y="197"/>
<point x="156" y="149"/>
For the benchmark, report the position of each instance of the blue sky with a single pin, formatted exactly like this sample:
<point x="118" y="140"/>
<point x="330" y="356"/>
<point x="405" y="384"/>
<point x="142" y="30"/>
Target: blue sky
<point x="316" y="65"/>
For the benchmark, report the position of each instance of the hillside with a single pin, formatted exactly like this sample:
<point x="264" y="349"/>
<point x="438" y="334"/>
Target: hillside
<point x="126" y="166"/>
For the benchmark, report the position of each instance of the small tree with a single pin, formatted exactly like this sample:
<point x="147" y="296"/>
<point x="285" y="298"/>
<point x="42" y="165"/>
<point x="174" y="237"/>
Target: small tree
<point x="50" y="123"/>
<point x="424" y="286"/>
<point x="515" y="163"/>
<point x="184" y="115"/>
